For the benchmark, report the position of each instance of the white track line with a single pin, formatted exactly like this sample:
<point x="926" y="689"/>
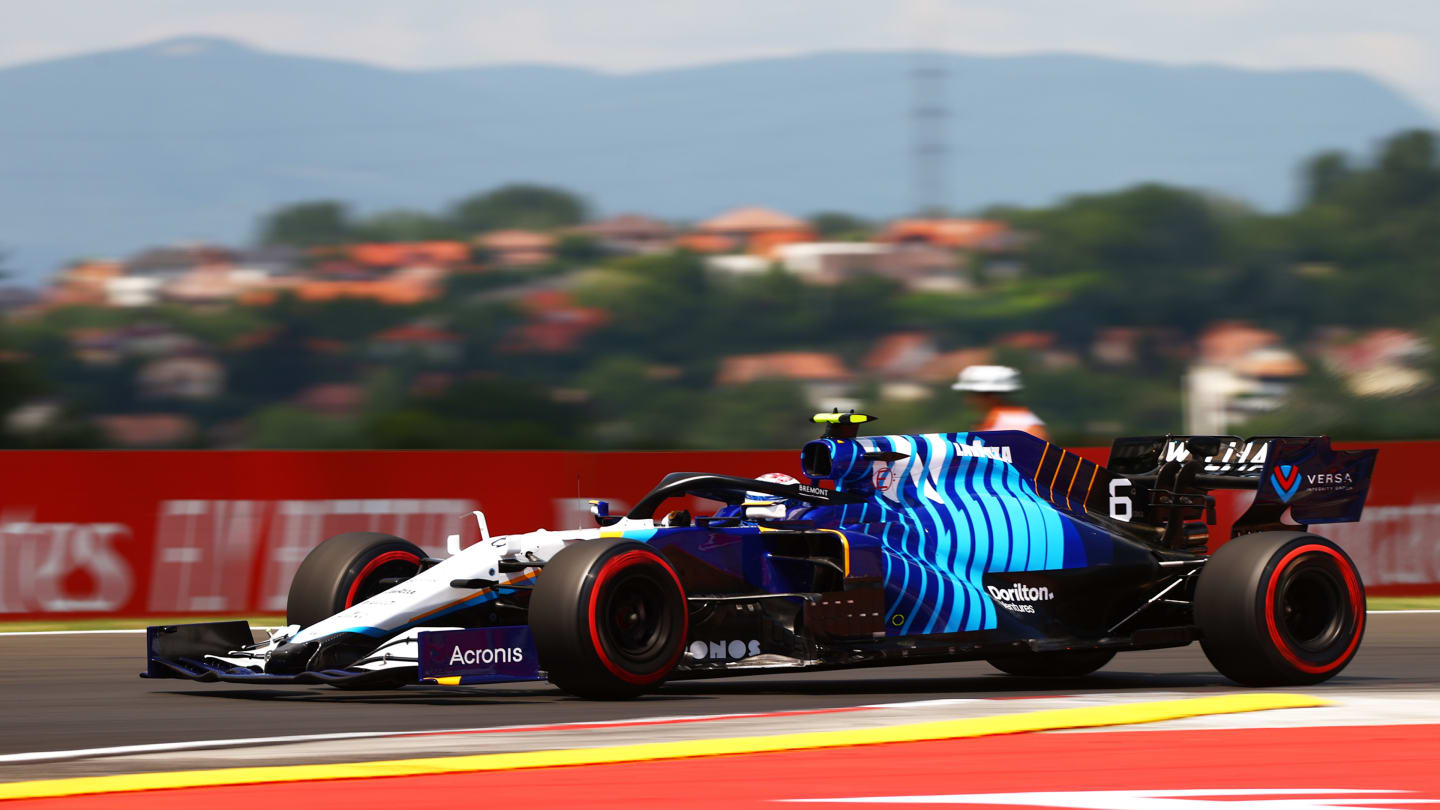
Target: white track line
<point x="191" y="745"/>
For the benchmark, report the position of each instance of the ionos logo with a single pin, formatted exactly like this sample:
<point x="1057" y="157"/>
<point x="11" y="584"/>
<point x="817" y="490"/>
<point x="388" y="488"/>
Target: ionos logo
<point x="978" y="450"/>
<point x="502" y="655"/>
<point x="1014" y="597"/>
<point x="723" y="650"/>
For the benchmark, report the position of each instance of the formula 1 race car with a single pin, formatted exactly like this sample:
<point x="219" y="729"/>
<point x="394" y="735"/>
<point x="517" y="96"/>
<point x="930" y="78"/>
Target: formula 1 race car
<point x="901" y="549"/>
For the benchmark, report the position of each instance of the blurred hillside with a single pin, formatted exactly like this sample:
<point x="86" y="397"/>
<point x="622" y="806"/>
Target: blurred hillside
<point x="192" y="138"/>
<point x="515" y="318"/>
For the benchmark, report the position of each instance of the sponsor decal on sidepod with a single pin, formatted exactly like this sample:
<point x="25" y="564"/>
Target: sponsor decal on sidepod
<point x="1018" y="597"/>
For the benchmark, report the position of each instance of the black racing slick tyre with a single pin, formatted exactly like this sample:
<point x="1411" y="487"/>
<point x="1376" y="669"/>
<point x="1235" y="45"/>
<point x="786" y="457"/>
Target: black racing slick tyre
<point x="1053" y="664"/>
<point x="609" y="619"/>
<point x="1280" y="609"/>
<point x="345" y="570"/>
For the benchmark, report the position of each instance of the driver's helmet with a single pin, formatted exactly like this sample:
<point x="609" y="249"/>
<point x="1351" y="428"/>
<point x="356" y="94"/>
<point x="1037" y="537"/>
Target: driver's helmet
<point x="763" y="505"/>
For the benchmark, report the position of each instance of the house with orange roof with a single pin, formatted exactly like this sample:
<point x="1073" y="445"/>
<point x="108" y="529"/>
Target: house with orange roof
<point x="708" y="243"/>
<point x="955" y="234"/>
<point x="408" y="286"/>
<point x="517" y="248"/>
<point x="629" y="234"/>
<point x="909" y="366"/>
<point x="823" y="377"/>
<point x="147" y="430"/>
<point x="1241" y="371"/>
<point x="759" y="230"/>
<point x="416" y="341"/>
<point x="896" y="360"/>
<point x="83" y="284"/>
<point x="554" y="324"/>
<point x="332" y="399"/>
<point x="191" y="376"/>
<point x="1378" y="363"/>
<point x="390" y="255"/>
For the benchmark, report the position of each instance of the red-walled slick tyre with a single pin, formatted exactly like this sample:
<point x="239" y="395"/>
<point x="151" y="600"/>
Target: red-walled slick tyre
<point x="610" y="619"/>
<point x="346" y="570"/>
<point x="1280" y="609"/>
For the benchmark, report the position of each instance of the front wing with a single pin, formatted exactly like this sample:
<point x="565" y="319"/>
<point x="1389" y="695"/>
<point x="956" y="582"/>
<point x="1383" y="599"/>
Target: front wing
<point x="227" y="652"/>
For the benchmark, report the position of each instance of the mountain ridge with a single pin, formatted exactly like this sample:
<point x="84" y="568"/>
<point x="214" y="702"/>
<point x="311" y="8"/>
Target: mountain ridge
<point x="117" y="149"/>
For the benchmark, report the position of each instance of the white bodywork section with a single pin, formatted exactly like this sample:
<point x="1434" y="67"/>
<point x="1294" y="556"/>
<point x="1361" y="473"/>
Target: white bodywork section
<point x="389" y="616"/>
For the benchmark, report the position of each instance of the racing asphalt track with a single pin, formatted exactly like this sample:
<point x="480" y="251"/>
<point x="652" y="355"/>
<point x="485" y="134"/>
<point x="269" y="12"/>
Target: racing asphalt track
<point x="60" y="692"/>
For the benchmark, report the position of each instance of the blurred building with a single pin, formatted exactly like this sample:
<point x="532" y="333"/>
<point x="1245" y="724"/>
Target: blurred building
<point x="1377" y="363"/>
<point x="517" y="248"/>
<point x="757" y="230"/>
<point x="395" y="255"/>
<point x="629" y="234"/>
<point x="84" y="284"/>
<point x="144" y="430"/>
<point x="410" y="285"/>
<point x="416" y="342"/>
<point x="832" y="262"/>
<point x="1241" y="371"/>
<point x="554" y="324"/>
<point x="338" y="400"/>
<point x="192" y="376"/>
<point x="954" y="234"/>
<point x="910" y="366"/>
<point x="823" y="377"/>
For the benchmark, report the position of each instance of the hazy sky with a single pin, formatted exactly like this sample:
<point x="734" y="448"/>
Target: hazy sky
<point x="1396" y="40"/>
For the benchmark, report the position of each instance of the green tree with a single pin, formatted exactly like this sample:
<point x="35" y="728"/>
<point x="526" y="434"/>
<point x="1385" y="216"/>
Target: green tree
<point x="405" y="225"/>
<point x="518" y="206"/>
<point x="841" y="226"/>
<point x="1325" y="174"/>
<point x="307" y="224"/>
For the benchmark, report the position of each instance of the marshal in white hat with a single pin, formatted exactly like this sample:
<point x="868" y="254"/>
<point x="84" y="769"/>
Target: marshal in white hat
<point x="988" y="379"/>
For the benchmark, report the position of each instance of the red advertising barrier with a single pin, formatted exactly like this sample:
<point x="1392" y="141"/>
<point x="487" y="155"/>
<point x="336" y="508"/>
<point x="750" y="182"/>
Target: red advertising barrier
<point x="195" y="532"/>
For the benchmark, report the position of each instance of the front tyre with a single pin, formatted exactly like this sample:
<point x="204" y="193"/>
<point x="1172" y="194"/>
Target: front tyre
<point x="1053" y="664"/>
<point x="609" y="619"/>
<point x="1280" y="609"/>
<point x="345" y="570"/>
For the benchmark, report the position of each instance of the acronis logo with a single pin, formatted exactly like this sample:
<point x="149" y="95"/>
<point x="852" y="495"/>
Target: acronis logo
<point x="1286" y="480"/>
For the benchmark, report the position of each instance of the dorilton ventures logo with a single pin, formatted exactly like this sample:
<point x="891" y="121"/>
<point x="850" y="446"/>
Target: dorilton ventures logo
<point x="1286" y="480"/>
<point x="1020" y="593"/>
<point x="1019" y="598"/>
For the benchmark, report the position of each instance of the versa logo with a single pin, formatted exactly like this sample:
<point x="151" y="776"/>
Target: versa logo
<point x="1286" y="480"/>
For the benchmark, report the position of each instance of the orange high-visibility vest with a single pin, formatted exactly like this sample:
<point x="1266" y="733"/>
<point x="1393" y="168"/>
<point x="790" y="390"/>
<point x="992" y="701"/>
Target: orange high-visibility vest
<point x="1014" y="417"/>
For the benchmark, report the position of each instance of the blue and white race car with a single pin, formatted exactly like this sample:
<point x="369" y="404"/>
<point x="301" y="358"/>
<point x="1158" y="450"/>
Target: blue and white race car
<point x="896" y="549"/>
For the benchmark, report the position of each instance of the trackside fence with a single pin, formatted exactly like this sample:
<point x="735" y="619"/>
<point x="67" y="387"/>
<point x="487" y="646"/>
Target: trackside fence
<point x="136" y="533"/>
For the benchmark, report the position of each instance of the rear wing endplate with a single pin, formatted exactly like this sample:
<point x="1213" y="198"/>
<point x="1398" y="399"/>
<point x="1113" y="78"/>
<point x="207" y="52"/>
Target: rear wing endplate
<point x="1304" y="474"/>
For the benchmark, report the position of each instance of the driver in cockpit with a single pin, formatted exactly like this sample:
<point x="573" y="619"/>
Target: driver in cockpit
<point x="759" y="506"/>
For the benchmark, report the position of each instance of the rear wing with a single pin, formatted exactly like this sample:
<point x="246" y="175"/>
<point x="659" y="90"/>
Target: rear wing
<point x="1304" y="474"/>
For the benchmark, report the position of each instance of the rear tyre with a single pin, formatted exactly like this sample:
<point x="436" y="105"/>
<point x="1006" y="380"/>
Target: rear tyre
<point x="344" y="571"/>
<point x="609" y="618"/>
<point x="1280" y="609"/>
<point x="1054" y="664"/>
